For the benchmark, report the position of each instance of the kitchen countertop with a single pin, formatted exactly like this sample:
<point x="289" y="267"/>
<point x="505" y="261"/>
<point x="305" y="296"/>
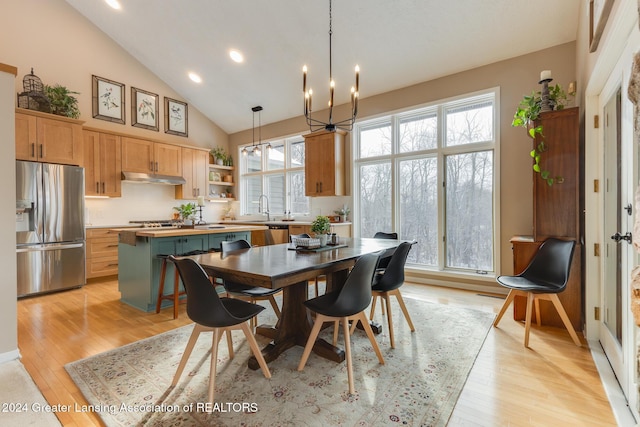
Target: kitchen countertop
<point x="204" y="229"/>
<point x="275" y="222"/>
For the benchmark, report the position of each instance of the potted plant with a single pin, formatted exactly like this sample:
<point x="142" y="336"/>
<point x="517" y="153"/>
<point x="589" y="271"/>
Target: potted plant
<point x="321" y="226"/>
<point x="186" y="211"/>
<point x="343" y="212"/>
<point x="219" y="155"/>
<point x="62" y="101"/>
<point x="527" y="113"/>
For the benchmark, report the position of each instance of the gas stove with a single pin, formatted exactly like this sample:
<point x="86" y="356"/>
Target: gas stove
<point x="156" y="223"/>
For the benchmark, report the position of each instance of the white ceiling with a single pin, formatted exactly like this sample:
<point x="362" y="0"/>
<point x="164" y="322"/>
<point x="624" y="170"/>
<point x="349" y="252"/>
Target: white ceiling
<point x="396" y="43"/>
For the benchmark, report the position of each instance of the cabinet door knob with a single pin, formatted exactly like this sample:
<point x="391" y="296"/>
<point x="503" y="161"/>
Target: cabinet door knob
<point x="33" y="149"/>
<point x="151" y="166"/>
<point x="156" y="166"/>
<point x="97" y="187"/>
<point x="103" y="190"/>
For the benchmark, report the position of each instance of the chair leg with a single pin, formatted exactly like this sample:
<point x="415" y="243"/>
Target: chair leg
<point x="316" y="287"/>
<point x="565" y="319"/>
<point x="536" y="304"/>
<point x="354" y="324"/>
<point x="369" y="332"/>
<point x="214" y="363"/>
<point x="272" y="300"/>
<point x="387" y="301"/>
<point x="251" y="339"/>
<point x="187" y="352"/>
<point x="230" y="344"/>
<point x="336" y="326"/>
<point x="527" y="324"/>
<point x="507" y="303"/>
<point x="347" y="350"/>
<point x="163" y="274"/>
<point x="320" y="319"/>
<point x="176" y="291"/>
<point x="403" y="307"/>
<point x="373" y="306"/>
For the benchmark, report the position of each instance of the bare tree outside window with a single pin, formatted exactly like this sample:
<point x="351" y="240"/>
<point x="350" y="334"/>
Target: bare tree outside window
<point x="375" y="199"/>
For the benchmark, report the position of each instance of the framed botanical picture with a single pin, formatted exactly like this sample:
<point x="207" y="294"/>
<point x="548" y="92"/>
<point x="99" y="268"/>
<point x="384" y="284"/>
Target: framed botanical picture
<point x="176" y="119"/>
<point x="144" y="109"/>
<point x="108" y="100"/>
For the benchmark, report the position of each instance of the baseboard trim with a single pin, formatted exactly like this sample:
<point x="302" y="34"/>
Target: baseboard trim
<point x="9" y="356"/>
<point x="488" y="289"/>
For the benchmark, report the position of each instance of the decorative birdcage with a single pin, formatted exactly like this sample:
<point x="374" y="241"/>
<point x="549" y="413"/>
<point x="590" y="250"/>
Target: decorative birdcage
<point x="33" y="97"/>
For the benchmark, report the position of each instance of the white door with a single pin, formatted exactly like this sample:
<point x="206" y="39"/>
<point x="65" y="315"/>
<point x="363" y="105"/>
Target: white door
<point x="616" y="332"/>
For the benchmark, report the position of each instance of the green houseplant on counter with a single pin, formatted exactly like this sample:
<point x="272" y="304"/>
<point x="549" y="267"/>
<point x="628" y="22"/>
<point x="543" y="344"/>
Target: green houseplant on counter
<point x="321" y="226"/>
<point x="186" y="211"/>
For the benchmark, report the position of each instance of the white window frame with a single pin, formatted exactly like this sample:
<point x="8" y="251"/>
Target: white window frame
<point x="440" y="153"/>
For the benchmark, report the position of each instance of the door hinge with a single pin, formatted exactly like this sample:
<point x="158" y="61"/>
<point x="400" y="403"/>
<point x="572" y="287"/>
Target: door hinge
<point x="596" y="249"/>
<point x="596" y="185"/>
<point x="596" y="121"/>
<point x="596" y="313"/>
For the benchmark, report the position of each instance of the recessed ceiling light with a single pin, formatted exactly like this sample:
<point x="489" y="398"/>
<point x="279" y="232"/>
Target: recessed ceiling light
<point x="236" y="56"/>
<point x="196" y="78"/>
<point x="114" y="4"/>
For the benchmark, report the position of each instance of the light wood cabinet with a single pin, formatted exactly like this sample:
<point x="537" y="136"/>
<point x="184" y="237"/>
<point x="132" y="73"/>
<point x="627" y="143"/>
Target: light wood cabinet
<point x="324" y="164"/>
<point x="42" y="137"/>
<point x="194" y="171"/>
<point x="102" y="253"/>
<point x="141" y="155"/>
<point x="102" y="163"/>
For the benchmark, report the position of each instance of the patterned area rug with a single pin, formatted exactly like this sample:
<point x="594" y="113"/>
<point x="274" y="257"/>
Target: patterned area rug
<point x="418" y="385"/>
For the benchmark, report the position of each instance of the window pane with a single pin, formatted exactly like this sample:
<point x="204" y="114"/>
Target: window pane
<point x="253" y="190"/>
<point x="275" y="156"/>
<point x="375" y="141"/>
<point x="297" y="154"/>
<point x="469" y="211"/>
<point x="252" y="162"/>
<point x="470" y="123"/>
<point x="419" y="208"/>
<point x="375" y="199"/>
<point x="275" y="185"/>
<point x="419" y="133"/>
<point x="299" y="202"/>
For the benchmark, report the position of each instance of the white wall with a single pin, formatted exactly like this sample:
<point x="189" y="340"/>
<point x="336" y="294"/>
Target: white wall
<point x="8" y="284"/>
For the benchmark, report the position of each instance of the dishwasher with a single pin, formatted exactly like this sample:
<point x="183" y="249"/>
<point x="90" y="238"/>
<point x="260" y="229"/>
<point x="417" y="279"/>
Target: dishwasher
<point x="277" y="234"/>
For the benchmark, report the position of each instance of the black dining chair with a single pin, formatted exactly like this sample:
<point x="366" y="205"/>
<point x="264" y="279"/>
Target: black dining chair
<point x="543" y="279"/>
<point x="306" y="236"/>
<point x="387" y="282"/>
<point x="384" y="261"/>
<point x="247" y="292"/>
<point x="213" y="314"/>
<point x="344" y="305"/>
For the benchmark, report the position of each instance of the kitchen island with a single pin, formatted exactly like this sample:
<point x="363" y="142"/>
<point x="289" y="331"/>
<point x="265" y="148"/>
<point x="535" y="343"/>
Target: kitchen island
<point x="139" y="264"/>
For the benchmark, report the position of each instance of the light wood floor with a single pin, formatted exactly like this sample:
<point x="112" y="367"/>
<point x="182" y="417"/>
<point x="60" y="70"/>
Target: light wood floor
<point x="553" y="383"/>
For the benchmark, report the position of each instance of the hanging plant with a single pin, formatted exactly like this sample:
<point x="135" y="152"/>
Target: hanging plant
<point x="525" y="116"/>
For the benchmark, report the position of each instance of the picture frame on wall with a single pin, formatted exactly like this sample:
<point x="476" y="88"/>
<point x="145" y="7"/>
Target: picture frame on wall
<point x="176" y="117"/>
<point x="144" y="109"/>
<point x="108" y="100"/>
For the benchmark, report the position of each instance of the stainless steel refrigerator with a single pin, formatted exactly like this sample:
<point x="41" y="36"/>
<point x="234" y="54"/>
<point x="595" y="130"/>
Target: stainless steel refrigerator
<point x="49" y="227"/>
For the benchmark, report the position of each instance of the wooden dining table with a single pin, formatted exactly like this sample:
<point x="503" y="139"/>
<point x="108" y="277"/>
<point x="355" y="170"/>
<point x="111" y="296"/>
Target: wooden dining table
<point x="278" y="266"/>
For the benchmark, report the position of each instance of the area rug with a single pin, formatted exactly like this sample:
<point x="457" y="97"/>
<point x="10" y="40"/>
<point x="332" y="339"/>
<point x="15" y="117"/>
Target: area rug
<point x="418" y="385"/>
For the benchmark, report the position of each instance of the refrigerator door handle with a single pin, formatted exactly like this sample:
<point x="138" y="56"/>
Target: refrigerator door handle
<point x="50" y="247"/>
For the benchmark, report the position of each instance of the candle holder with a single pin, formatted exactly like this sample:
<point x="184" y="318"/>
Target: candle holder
<point x="200" y="220"/>
<point x="545" y="105"/>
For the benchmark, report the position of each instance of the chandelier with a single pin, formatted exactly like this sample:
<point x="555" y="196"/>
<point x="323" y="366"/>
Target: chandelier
<point x="256" y="147"/>
<point x="315" y="124"/>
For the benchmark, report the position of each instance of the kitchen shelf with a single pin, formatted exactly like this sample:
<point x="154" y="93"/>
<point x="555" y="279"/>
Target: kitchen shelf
<point x="214" y="166"/>
<point x="222" y="183"/>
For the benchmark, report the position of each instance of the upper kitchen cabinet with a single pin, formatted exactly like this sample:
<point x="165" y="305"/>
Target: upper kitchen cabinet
<point x="194" y="171"/>
<point x="102" y="162"/>
<point x="324" y="164"/>
<point x="141" y="155"/>
<point x="42" y="137"/>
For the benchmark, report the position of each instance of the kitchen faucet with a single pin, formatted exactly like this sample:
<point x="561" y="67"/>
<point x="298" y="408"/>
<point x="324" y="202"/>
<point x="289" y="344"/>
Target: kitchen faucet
<point x="267" y="210"/>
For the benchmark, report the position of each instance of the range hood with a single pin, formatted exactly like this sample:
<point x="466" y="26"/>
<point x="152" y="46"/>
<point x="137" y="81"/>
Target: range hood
<point x="153" y="178"/>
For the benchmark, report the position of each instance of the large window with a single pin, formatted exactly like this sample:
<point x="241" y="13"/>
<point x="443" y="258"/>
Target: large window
<point x="429" y="174"/>
<point x="277" y="173"/>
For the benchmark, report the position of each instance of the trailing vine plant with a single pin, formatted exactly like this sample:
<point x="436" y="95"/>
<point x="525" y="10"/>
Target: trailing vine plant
<point x="525" y="116"/>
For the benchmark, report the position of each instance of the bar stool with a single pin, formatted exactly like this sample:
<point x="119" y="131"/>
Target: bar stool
<point x="175" y="296"/>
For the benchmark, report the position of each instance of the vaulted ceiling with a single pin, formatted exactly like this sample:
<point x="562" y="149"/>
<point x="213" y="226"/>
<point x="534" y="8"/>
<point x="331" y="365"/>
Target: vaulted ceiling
<point x="396" y="43"/>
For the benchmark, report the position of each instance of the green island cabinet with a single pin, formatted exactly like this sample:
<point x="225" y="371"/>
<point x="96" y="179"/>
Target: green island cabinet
<point x="139" y="265"/>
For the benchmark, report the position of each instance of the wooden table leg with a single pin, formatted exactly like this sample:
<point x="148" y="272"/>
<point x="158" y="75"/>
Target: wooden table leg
<point x="294" y="328"/>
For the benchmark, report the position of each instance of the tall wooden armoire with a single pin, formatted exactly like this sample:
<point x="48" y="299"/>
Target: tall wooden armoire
<point x="556" y="213"/>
